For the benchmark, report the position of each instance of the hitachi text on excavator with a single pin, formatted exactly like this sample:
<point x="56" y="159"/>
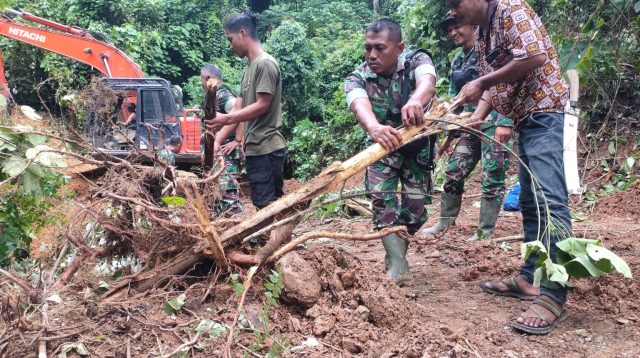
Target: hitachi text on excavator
<point x="155" y="103"/>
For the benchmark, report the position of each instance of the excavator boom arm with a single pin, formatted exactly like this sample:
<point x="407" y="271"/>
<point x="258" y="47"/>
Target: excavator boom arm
<point x="77" y="46"/>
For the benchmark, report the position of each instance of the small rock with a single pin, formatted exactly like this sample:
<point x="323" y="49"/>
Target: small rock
<point x="351" y="346"/>
<point x="348" y="279"/>
<point x="310" y="342"/>
<point x="622" y="321"/>
<point x="363" y="312"/>
<point x="323" y="325"/>
<point x="581" y="332"/>
<point x="300" y="280"/>
<point x="511" y="354"/>
<point x="352" y="304"/>
<point x="314" y="312"/>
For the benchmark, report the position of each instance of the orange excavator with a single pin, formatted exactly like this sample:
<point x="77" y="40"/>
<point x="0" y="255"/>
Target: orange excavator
<point x="150" y="109"/>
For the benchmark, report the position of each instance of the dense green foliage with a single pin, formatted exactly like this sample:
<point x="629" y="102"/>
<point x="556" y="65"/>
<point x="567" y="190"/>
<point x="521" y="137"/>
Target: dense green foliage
<point x="27" y="179"/>
<point x="318" y="42"/>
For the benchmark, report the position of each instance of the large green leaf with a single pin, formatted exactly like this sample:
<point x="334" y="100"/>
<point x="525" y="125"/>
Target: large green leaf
<point x="8" y="140"/>
<point x="13" y="166"/>
<point x="44" y="155"/>
<point x="35" y="139"/>
<point x="607" y="261"/>
<point x="581" y="267"/>
<point x="576" y="246"/>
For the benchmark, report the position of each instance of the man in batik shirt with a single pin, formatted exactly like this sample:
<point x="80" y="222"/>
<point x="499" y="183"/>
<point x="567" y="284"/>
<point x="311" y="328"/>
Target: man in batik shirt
<point x="521" y="80"/>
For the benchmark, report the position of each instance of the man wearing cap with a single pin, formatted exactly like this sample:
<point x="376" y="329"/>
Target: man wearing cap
<point x="374" y="93"/>
<point x="521" y="80"/>
<point x="471" y="148"/>
<point x="228" y="143"/>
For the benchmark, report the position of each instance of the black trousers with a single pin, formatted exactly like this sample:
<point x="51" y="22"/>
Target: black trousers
<point x="265" y="176"/>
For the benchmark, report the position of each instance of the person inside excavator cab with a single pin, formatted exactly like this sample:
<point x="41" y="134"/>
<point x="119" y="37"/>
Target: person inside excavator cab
<point x="131" y="116"/>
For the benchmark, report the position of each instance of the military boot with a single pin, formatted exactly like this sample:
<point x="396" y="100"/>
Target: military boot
<point x="489" y="211"/>
<point x="395" y="260"/>
<point x="449" y="210"/>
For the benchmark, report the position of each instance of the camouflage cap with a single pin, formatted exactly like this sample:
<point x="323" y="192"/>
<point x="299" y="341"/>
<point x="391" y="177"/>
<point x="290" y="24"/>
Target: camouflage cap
<point x="448" y="21"/>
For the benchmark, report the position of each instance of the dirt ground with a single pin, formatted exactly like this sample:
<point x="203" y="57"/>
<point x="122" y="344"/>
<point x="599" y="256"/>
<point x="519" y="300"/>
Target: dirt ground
<point x="358" y="312"/>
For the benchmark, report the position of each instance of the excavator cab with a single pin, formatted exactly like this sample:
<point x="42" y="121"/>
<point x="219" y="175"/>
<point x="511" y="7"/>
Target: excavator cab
<point x="157" y="118"/>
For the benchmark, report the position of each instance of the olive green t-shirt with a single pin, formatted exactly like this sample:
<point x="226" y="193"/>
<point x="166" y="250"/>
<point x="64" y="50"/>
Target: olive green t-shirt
<point x="262" y="135"/>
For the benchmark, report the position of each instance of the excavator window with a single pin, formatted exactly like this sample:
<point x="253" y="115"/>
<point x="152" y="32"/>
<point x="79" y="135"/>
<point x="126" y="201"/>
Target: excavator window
<point x="157" y="107"/>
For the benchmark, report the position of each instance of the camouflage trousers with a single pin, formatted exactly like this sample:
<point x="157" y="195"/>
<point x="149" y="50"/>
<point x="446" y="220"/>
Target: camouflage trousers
<point x="381" y="181"/>
<point x="468" y="152"/>
<point x="230" y="197"/>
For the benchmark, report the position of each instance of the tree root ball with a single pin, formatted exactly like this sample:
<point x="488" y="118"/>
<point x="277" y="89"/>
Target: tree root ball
<point x="300" y="280"/>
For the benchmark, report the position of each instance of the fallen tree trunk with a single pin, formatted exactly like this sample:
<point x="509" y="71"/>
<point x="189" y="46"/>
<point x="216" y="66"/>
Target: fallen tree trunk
<point x="330" y="179"/>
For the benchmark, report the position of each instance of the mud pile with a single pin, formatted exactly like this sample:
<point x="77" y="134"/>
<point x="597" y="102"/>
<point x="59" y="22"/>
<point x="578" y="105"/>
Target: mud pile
<point x="357" y="309"/>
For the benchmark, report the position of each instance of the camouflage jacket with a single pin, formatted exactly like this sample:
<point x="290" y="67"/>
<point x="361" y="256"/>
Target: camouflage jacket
<point x="464" y="69"/>
<point x="167" y="155"/>
<point x="385" y="94"/>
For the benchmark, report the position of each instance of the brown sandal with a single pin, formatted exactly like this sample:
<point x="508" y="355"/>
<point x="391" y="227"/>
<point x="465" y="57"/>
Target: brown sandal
<point x="514" y="289"/>
<point x="544" y="301"/>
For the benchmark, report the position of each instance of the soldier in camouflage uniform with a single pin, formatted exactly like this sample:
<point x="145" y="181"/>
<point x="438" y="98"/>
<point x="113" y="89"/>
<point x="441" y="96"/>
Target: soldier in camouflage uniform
<point x="471" y="148"/>
<point x="228" y="143"/>
<point x="167" y="153"/>
<point x="373" y="93"/>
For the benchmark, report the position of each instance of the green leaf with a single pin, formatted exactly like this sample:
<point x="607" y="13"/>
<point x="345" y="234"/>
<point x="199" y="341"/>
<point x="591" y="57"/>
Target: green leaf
<point x="628" y="164"/>
<point x="607" y="261"/>
<point x="174" y="305"/>
<point x="622" y="185"/>
<point x="612" y="148"/>
<point x="636" y="7"/>
<point x="30" y="113"/>
<point x="576" y="246"/>
<point x="13" y="166"/>
<point x="35" y="139"/>
<point x="556" y="273"/>
<point x="174" y="201"/>
<point x="528" y="248"/>
<point x="68" y="347"/>
<point x="581" y="267"/>
<point x="590" y="196"/>
<point x="212" y="328"/>
<point x="577" y="216"/>
<point x="8" y="140"/>
<point x="44" y="156"/>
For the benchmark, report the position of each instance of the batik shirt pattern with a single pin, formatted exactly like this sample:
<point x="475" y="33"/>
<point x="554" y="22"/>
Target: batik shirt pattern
<point x="515" y="33"/>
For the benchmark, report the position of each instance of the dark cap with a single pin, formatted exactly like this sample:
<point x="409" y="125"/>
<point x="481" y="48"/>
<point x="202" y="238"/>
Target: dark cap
<point x="448" y="21"/>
